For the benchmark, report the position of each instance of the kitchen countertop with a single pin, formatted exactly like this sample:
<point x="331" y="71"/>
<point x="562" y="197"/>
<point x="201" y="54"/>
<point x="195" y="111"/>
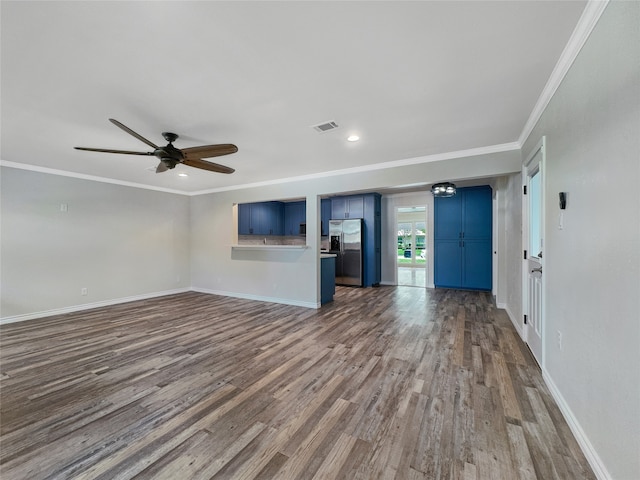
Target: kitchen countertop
<point x="260" y="246"/>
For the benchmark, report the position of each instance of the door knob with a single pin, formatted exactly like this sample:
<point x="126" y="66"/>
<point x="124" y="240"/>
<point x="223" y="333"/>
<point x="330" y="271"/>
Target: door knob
<point x="539" y="270"/>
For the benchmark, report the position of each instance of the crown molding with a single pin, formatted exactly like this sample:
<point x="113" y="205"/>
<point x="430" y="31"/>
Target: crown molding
<point x="82" y="176"/>
<point x="472" y="152"/>
<point x="590" y="16"/>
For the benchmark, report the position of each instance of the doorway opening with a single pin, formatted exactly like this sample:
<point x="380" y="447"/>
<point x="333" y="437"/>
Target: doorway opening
<point x="411" y="260"/>
<point x="533" y="241"/>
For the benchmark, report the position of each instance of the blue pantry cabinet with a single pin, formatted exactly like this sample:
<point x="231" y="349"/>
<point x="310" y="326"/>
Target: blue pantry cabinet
<point x="325" y="216"/>
<point x="463" y="239"/>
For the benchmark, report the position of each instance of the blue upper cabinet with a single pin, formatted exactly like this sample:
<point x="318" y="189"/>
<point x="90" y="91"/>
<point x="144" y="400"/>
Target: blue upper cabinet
<point x="263" y="218"/>
<point x="448" y="217"/>
<point x="295" y="213"/>
<point x="244" y="219"/>
<point x="351" y="206"/>
<point x="477" y="209"/>
<point x="338" y="208"/>
<point x="463" y="239"/>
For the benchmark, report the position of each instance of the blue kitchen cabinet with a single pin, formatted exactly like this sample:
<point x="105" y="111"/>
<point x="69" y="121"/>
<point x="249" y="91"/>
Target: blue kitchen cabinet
<point x="325" y="216"/>
<point x="477" y="264"/>
<point x="448" y="263"/>
<point x="327" y="278"/>
<point x="295" y="213"/>
<point x="463" y="239"/>
<point x="371" y="238"/>
<point x="351" y="206"/>
<point x="244" y="218"/>
<point x="262" y="218"/>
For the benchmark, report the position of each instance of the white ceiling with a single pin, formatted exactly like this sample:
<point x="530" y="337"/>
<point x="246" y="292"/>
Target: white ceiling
<point x="413" y="79"/>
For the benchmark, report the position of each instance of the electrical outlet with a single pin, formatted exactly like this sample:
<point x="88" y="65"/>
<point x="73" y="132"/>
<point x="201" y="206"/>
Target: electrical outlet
<point x="559" y="335"/>
<point x="84" y="291"/>
<point x="178" y="279"/>
<point x="64" y="207"/>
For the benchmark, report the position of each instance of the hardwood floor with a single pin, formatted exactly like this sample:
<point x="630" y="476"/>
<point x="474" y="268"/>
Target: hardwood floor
<point x="384" y="383"/>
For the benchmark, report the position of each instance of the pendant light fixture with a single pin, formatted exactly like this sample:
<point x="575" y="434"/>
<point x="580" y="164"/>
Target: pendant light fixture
<point x="443" y="190"/>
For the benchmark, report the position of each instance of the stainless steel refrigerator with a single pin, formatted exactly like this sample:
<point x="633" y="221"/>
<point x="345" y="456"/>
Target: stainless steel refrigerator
<point x="346" y="242"/>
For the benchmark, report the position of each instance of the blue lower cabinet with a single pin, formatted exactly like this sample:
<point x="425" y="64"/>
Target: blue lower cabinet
<point x="327" y="279"/>
<point x="447" y="267"/>
<point x="478" y="265"/>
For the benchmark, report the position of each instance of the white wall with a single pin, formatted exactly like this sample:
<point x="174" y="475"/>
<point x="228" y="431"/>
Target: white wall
<point x="123" y="243"/>
<point x="509" y="242"/>
<point x="116" y="241"/>
<point x="292" y="277"/>
<point x="276" y="276"/>
<point x="592" y="266"/>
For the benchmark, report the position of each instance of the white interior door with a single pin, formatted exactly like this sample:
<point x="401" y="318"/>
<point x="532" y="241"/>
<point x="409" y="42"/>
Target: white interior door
<point x="533" y="240"/>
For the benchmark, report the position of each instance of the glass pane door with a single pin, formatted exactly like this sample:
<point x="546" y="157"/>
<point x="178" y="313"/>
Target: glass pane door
<point x="535" y="214"/>
<point x="412" y="246"/>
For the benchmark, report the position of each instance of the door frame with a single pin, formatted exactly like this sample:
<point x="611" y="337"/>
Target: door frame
<point x="428" y="265"/>
<point x="527" y="168"/>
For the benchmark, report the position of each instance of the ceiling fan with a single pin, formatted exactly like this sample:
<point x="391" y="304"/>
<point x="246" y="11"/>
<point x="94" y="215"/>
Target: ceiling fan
<point x="170" y="156"/>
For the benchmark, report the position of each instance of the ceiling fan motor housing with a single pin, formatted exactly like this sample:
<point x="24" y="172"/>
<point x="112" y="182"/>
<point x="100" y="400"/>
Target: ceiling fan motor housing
<point x="170" y="153"/>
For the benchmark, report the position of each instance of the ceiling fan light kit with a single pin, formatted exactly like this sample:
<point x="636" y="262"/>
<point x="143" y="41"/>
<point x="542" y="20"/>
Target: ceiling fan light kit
<point x="443" y="190"/>
<point x="171" y="156"/>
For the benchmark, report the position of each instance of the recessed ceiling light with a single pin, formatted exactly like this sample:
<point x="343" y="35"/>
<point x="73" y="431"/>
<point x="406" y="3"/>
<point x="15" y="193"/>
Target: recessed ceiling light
<point x="353" y="138"/>
<point x="182" y="174"/>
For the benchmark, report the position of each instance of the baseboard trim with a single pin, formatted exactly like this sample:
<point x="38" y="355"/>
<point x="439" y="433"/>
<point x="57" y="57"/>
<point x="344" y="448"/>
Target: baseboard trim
<point x="88" y="306"/>
<point x="246" y="296"/>
<point x="585" y="445"/>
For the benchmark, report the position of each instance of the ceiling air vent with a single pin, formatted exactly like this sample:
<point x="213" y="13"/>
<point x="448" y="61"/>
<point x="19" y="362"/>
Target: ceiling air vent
<point x="325" y="127"/>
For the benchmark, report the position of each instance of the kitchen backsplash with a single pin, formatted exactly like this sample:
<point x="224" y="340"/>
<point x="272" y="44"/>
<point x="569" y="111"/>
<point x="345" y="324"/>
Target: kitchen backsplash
<point x="279" y="240"/>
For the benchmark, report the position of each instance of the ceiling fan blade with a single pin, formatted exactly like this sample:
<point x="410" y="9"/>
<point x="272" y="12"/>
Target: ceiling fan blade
<point x="204" y="165"/>
<point x="161" y="168"/>
<point x="131" y="132"/>
<point x="107" y="150"/>
<point x="207" y="151"/>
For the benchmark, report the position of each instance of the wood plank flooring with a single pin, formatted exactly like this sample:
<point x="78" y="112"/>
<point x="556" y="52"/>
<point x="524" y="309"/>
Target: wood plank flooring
<point x="383" y="383"/>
